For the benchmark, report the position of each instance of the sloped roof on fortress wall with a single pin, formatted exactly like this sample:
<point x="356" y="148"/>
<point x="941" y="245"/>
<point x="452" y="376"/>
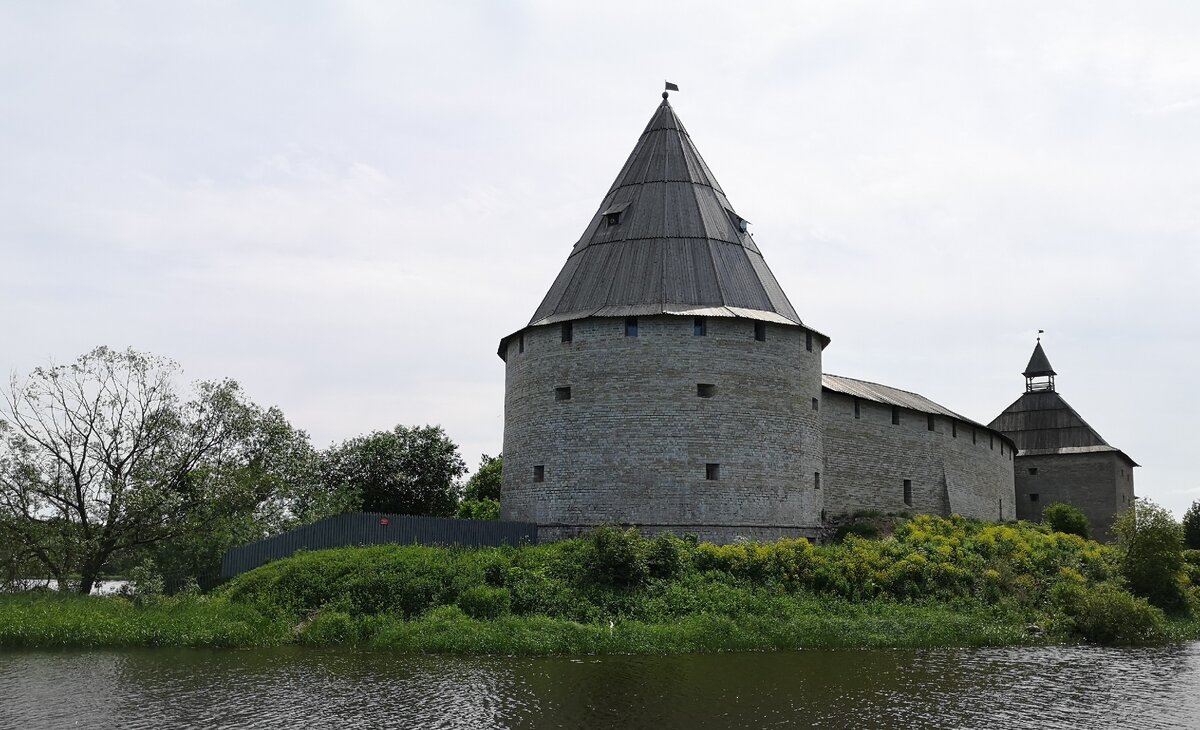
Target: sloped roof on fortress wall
<point x="891" y="396"/>
<point x="665" y="240"/>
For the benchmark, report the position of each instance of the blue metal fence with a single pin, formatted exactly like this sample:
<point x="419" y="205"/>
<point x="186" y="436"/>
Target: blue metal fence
<point x="365" y="528"/>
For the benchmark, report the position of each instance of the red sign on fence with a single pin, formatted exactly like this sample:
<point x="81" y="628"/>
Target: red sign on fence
<point x="384" y="521"/>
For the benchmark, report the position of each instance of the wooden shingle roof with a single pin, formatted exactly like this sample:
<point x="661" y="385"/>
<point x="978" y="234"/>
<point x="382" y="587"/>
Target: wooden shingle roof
<point x="665" y="239"/>
<point x="1041" y="422"/>
<point x="1039" y="364"/>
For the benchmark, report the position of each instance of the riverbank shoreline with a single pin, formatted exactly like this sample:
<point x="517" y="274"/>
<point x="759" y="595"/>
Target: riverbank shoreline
<point x="807" y="622"/>
<point x="934" y="583"/>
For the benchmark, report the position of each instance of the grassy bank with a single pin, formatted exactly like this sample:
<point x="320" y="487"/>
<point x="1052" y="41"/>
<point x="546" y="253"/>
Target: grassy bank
<point x="935" y="582"/>
<point x="51" y="620"/>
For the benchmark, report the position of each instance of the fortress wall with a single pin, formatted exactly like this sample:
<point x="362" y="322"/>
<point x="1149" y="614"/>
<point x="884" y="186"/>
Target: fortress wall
<point x="1100" y="484"/>
<point x="631" y="444"/>
<point x="868" y="459"/>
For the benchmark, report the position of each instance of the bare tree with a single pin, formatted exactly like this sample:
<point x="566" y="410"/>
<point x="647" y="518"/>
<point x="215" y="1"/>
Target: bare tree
<point x="105" y="455"/>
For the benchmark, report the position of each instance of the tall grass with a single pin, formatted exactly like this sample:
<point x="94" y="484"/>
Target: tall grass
<point x="48" y="620"/>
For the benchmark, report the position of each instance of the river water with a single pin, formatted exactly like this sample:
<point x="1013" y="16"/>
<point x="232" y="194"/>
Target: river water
<point x="1055" y="687"/>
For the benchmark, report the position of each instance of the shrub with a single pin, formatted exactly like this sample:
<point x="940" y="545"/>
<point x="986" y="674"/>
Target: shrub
<point x="329" y="627"/>
<point x="1105" y="614"/>
<point x="860" y="529"/>
<point x="617" y="558"/>
<point x="667" y="556"/>
<point x="1152" y="560"/>
<point x="1067" y="518"/>
<point x="482" y="602"/>
<point x="145" y="584"/>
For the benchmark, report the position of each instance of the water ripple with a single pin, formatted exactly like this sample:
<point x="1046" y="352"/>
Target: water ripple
<point x="1046" y="687"/>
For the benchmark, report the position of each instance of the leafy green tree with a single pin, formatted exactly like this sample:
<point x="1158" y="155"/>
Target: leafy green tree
<point x="1063" y="517"/>
<point x="107" y="456"/>
<point x="1152" y="560"/>
<point x="275" y="486"/>
<point x="1191" y="527"/>
<point x="413" y="471"/>
<point x="485" y="482"/>
<point x="479" y="509"/>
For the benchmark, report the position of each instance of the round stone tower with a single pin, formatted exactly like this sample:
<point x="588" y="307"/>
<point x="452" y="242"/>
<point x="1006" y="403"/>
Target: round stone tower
<point x="665" y="381"/>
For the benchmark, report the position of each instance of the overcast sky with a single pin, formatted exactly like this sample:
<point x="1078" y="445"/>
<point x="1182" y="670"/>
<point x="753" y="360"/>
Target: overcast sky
<point x="344" y="206"/>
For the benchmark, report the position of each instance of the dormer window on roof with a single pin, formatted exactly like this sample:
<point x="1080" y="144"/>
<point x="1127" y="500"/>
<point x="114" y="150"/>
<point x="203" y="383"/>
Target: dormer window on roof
<point x="740" y="223"/>
<point x="612" y="216"/>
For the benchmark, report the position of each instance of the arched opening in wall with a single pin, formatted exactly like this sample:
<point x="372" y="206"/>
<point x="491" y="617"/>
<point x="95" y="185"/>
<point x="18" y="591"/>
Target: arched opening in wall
<point x="760" y="331"/>
<point x="857" y="408"/>
<point x="699" y="327"/>
<point x="908" y="492"/>
<point x="895" y="415"/>
<point x="631" y="327"/>
<point x="539" y="473"/>
<point x="929" y="423"/>
<point x="808" y="341"/>
<point x="705" y="390"/>
<point x="568" y="331"/>
<point x="816" y="480"/>
<point x="712" y="472"/>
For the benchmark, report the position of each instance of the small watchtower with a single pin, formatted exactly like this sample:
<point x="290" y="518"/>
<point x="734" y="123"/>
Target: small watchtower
<point x="1060" y="458"/>
<point x="1038" y="373"/>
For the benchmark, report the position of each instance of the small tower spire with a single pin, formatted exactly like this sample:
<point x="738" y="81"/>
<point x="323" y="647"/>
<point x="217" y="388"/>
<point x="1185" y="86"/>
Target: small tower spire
<point x="1038" y="373"/>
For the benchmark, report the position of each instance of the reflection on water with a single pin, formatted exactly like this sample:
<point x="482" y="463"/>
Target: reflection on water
<point x="1055" y="687"/>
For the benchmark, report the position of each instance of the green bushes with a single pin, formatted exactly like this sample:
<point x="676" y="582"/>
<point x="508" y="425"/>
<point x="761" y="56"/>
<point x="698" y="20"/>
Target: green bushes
<point x="1063" y="517"/>
<point x="482" y="602"/>
<point x="1105" y="614"/>
<point x="329" y="627"/>
<point x="617" y="558"/>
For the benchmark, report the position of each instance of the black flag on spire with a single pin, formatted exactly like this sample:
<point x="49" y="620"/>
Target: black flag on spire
<point x="672" y="87"/>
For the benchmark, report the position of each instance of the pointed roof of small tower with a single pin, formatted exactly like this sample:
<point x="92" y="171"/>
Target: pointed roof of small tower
<point x="1042" y="422"/>
<point x="1039" y="364"/>
<point x="665" y="239"/>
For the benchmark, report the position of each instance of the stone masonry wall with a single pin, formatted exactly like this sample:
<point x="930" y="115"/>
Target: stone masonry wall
<point x="631" y="444"/>
<point x="1100" y="484"/>
<point x="957" y="468"/>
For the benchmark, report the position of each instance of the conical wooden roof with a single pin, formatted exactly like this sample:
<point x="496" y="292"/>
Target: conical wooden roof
<point x="665" y="239"/>
<point x="1039" y="364"/>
